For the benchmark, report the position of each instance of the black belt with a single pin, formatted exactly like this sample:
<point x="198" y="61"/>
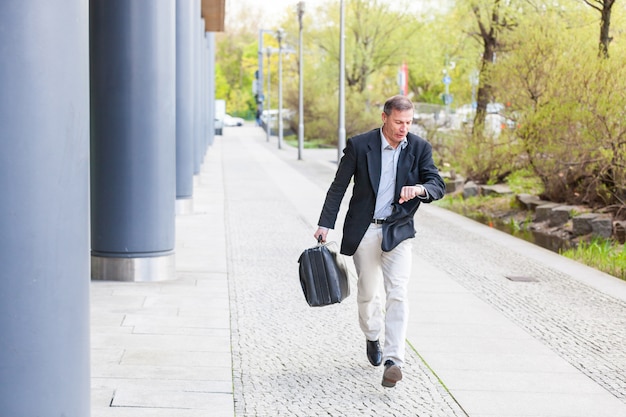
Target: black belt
<point x="378" y="221"/>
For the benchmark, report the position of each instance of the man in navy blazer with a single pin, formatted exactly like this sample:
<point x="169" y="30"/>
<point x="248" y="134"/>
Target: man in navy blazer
<point x="393" y="172"/>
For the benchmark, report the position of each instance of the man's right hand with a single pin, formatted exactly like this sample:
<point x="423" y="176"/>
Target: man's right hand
<point x="321" y="231"/>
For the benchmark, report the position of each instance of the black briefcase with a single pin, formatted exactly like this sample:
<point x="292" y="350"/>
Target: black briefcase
<point x="323" y="275"/>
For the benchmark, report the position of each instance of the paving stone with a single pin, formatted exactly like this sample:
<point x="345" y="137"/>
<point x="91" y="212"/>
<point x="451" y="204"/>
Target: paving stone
<point x="284" y="349"/>
<point x="577" y="321"/>
<point x="255" y="348"/>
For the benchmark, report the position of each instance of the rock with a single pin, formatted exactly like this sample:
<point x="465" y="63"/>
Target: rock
<point x="454" y="185"/>
<point x="559" y="215"/>
<point x="619" y="230"/>
<point x="554" y="226"/>
<point x="529" y="201"/>
<point x="499" y="189"/>
<point x="542" y="212"/>
<point x="551" y="241"/>
<point x="581" y="225"/>
<point x="602" y="227"/>
<point x="470" y="189"/>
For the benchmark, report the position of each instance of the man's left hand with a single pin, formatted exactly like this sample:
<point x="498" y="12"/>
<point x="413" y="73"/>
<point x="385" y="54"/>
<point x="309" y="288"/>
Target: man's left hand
<point x="409" y="192"/>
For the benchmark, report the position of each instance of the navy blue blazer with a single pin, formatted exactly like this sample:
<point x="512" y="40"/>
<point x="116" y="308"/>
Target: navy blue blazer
<point x="361" y="161"/>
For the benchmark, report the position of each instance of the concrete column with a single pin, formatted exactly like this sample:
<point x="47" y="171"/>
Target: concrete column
<point x="210" y="36"/>
<point x="197" y="135"/>
<point x="202" y="88"/>
<point x="185" y="18"/>
<point x="133" y="139"/>
<point x="44" y="215"/>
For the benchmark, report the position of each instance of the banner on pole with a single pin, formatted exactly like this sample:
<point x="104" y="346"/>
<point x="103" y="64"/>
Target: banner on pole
<point x="403" y="79"/>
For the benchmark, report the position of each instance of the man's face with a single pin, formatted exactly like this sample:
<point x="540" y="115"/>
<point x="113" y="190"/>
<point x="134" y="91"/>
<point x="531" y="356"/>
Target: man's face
<point x="396" y="125"/>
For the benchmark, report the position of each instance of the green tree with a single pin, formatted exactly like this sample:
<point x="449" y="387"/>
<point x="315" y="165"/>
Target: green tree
<point x="491" y="19"/>
<point x="604" y="7"/>
<point x="485" y="152"/>
<point x="236" y="61"/>
<point x="375" y="48"/>
<point x="568" y="106"/>
<point x="572" y="109"/>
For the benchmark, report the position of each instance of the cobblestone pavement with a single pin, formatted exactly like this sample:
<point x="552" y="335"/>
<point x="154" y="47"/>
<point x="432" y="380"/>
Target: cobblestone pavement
<point x="233" y="335"/>
<point x="583" y="325"/>
<point x="290" y="359"/>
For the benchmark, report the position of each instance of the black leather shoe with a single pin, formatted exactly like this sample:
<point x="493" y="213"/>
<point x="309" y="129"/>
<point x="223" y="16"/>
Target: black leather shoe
<point x="392" y="374"/>
<point x="374" y="353"/>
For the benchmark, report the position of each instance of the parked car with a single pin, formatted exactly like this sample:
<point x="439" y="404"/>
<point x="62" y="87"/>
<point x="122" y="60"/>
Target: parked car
<point x="232" y="121"/>
<point x="220" y="111"/>
<point x="497" y="118"/>
<point x="463" y="116"/>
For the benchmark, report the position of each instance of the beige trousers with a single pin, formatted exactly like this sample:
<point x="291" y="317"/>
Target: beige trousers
<point x="392" y="269"/>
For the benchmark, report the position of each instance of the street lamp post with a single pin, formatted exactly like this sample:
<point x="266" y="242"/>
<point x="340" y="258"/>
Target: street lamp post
<point x="268" y="116"/>
<point x="279" y="37"/>
<point x="259" y="81"/>
<point x="300" y="87"/>
<point x="341" y="143"/>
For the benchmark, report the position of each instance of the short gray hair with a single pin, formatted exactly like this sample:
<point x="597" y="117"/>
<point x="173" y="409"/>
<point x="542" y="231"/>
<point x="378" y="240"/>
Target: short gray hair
<point x="400" y="103"/>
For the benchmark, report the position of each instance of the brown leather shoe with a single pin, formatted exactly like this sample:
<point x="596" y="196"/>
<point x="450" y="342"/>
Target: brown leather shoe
<point x="392" y="374"/>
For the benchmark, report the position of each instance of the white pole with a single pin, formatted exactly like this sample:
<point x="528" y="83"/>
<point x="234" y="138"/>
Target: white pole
<point x="259" y="81"/>
<point x="279" y="35"/>
<point x="341" y="143"/>
<point x="268" y="116"/>
<point x="301" y="87"/>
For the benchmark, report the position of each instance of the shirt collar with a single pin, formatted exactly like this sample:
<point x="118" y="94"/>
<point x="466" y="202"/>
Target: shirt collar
<point x="385" y="145"/>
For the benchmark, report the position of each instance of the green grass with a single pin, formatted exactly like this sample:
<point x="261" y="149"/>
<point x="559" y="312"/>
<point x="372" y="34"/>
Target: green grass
<point x="499" y="212"/>
<point x="292" y="140"/>
<point x="601" y="254"/>
<point x="524" y="182"/>
<point x="490" y="206"/>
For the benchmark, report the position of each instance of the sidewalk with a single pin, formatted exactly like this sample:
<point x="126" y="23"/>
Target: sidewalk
<point x="499" y="327"/>
<point x="163" y="348"/>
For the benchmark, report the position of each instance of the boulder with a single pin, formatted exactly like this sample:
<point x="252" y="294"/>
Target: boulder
<point x="529" y="201"/>
<point x="542" y="212"/>
<point x="454" y="185"/>
<point x="470" y="189"/>
<point x="581" y="225"/>
<point x="559" y="215"/>
<point x="619" y="230"/>
<point x="498" y="189"/>
<point x="602" y="226"/>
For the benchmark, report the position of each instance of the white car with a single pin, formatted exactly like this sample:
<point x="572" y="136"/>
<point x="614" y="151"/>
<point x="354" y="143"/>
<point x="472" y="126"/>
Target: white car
<point x="232" y="121"/>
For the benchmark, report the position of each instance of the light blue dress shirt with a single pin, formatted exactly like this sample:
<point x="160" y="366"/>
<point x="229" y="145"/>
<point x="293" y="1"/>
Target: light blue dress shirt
<point x="389" y="167"/>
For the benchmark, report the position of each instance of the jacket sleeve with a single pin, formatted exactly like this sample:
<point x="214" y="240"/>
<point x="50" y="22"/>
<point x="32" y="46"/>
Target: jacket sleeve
<point x="429" y="175"/>
<point x="337" y="190"/>
<point x="423" y="172"/>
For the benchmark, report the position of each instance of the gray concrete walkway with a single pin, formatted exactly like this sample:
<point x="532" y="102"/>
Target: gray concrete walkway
<point x="499" y="327"/>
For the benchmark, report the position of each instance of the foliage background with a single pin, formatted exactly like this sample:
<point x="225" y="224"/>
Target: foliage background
<point x="564" y="99"/>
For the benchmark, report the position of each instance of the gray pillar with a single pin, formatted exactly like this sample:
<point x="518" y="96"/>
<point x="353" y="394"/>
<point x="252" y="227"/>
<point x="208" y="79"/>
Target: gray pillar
<point x="210" y="36"/>
<point x="202" y="88"/>
<point x="198" y="151"/>
<point x="185" y="17"/>
<point x="44" y="215"/>
<point x="133" y="139"/>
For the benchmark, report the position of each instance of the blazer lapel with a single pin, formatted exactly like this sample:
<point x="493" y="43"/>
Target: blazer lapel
<point x="374" y="160"/>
